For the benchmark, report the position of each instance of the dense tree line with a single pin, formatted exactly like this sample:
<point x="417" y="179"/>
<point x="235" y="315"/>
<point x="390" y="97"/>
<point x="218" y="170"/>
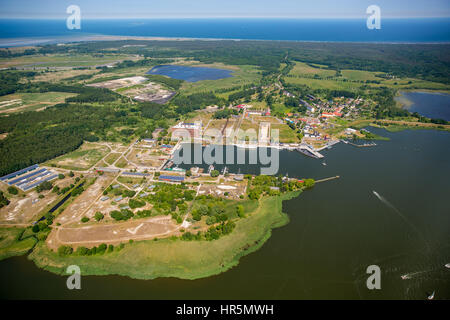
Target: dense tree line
<point x="10" y="81"/>
<point x="6" y="53"/>
<point x="34" y="137"/>
<point x="186" y="104"/>
<point x="3" y="200"/>
<point x="425" y="61"/>
<point x="154" y="111"/>
<point x="224" y="113"/>
<point x="170" y="82"/>
<point x="244" y="94"/>
<point x="85" y="94"/>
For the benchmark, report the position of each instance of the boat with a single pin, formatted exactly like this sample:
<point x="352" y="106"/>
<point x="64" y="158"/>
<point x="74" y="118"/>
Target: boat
<point x="324" y="164"/>
<point x="431" y="297"/>
<point x="447" y="265"/>
<point x="404" y="277"/>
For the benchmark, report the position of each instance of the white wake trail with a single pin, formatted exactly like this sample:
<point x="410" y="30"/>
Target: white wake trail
<point x="406" y="220"/>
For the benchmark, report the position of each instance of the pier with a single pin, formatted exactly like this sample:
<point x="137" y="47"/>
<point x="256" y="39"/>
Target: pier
<point x="328" y="145"/>
<point x="308" y="151"/>
<point x="372" y="144"/>
<point x="327" y="179"/>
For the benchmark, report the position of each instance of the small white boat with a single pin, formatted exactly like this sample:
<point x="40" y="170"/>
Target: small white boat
<point x="447" y="265"/>
<point x="431" y="297"/>
<point x="405" y="276"/>
<point x="324" y="164"/>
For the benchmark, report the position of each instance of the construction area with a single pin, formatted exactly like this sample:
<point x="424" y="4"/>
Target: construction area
<point x="138" y="88"/>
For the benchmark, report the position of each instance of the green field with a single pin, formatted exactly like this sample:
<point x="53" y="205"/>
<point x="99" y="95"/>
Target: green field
<point x="31" y="101"/>
<point x="351" y="80"/>
<point x="10" y="245"/>
<point x="177" y="258"/>
<point x="242" y="75"/>
<point x="112" y="157"/>
<point x="286" y="134"/>
<point x="301" y="68"/>
<point x="62" y="60"/>
<point x="81" y="159"/>
<point x="122" y="163"/>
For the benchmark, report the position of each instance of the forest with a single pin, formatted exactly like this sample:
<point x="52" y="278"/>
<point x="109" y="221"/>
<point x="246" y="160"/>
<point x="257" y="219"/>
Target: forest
<point x="424" y="61"/>
<point x="186" y="104"/>
<point x="35" y="137"/>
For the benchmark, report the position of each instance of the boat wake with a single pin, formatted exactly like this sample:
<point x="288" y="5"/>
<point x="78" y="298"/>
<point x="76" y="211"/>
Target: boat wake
<point x="414" y="274"/>
<point x="406" y="220"/>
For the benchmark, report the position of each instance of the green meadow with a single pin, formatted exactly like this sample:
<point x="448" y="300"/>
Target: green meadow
<point x="174" y="257"/>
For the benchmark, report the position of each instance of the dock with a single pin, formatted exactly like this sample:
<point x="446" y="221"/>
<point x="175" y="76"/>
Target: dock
<point x="329" y="145"/>
<point x="327" y="179"/>
<point x="372" y="144"/>
<point x="308" y="151"/>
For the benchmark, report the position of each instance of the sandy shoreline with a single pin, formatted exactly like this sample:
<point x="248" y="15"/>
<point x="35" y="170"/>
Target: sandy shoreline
<point x="33" y="41"/>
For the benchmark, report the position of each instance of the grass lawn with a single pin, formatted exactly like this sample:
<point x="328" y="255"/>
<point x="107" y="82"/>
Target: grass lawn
<point x="81" y="159"/>
<point x="112" y="157"/>
<point x="31" y="101"/>
<point x="122" y="163"/>
<point x="303" y="74"/>
<point x="177" y="258"/>
<point x="241" y="75"/>
<point x="286" y="134"/>
<point x="10" y="245"/>
<point x="301" y="68"/>
<point x="61" y="60"/>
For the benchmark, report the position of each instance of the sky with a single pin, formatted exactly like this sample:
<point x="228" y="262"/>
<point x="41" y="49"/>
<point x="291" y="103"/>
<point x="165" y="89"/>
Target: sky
<point x="94" y="9"/>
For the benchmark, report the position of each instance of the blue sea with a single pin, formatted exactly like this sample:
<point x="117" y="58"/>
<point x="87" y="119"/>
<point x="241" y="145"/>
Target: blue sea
<point x="339" y="30"/>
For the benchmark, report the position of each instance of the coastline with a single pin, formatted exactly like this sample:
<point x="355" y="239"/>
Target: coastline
<point x="36" y="41"/>
<point x="176" y="258"/>
<point x="406" y="103"/>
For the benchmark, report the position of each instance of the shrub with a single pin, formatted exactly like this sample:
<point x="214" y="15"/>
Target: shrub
<point x="133" y="203"/>
<point x="46" y="185"/>
<point x="214" y="173"/>
<point x="98" y="216"/>
<point x="65" y="250"/>
<point x="13" y="190"/>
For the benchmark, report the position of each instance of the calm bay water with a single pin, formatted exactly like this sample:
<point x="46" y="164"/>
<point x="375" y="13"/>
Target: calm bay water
<point x="354" y="30"/>
<point x="431" y="105"/>
<point x="337" y="229"/>
<point x="190" y="74"/>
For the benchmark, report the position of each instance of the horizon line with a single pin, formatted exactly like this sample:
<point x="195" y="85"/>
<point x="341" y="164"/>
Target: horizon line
<point x="225" y="17"/>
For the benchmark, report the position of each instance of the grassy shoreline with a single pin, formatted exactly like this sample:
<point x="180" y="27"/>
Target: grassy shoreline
<point x="176" y="258"/>
<point x="12" y="244"/>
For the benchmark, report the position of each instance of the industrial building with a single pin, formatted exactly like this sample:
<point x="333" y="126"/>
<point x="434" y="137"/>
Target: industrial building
<point x="171" y="178"/>
<point x="28" y="178"/>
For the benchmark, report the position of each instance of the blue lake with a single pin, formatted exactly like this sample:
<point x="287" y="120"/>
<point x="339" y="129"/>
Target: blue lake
<point x="190" y="74"/>
<point x="431" y="105"/>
